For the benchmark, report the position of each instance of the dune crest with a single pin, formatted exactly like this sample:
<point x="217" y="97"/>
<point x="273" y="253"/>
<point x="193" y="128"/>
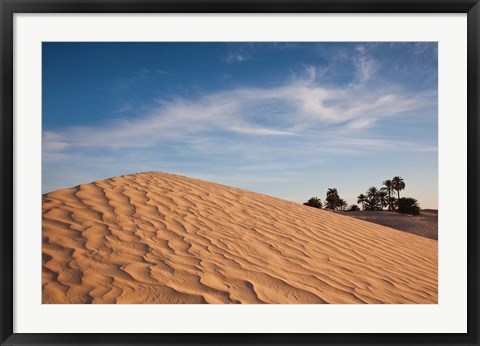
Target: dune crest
<point x="161" y="238"/>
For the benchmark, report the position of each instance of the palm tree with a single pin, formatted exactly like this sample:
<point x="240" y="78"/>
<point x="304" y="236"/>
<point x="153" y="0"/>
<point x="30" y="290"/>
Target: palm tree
<point x="361" y="198"/>
<point x="372" y="200"/>
<point x="398" y="184"/>
<point x="331" y="202"/>
<point x="342" y="203"/>
<point x="332" y="192"/>
<point x="389" y="187"/>
<point x="382" y="198"/>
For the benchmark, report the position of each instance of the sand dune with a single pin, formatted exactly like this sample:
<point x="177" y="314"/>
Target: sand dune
<point x="162" y="238"/>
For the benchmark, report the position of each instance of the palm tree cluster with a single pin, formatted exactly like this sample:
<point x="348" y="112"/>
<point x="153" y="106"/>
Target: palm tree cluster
<point x="379" y="199"/>
<point x="373" y="199"/>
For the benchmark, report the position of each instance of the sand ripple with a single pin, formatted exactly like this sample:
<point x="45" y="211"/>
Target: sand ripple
<point x="162" y="238"/>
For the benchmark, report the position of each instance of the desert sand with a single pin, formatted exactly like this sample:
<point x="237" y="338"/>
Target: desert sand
<point x="425" y="224"/>
<point x="162" y="238"/>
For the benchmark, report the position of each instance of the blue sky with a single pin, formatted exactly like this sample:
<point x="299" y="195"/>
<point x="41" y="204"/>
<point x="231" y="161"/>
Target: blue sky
<point x="285" y="119"/>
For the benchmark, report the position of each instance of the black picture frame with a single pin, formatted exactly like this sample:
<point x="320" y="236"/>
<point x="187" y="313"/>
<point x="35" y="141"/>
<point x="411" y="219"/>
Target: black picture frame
<point x="9" y="7"/>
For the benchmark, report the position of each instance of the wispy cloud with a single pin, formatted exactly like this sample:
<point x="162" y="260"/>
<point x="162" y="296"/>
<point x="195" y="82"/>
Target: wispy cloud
<point x="53" y="142"/>
<point x="123" y="108"/>
<point x="300" y="107"/>
<point x="236" y="57"/>
<point x="126" y="82"/>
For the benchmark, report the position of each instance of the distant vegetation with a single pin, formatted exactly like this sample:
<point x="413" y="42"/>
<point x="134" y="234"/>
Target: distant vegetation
<point x="374" y="199"/>
<point x="408" y="205"/>
<point x="353" y="207"/>
<point x="314" y="202"/>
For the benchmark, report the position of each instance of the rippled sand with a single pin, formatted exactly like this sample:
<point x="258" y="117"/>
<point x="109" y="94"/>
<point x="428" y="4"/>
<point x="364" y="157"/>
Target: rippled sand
<point x="162" y="238"/>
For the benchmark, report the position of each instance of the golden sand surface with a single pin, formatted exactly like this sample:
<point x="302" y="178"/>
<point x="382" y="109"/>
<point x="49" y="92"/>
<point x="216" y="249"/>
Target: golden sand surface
<point x="162" y="238"/>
